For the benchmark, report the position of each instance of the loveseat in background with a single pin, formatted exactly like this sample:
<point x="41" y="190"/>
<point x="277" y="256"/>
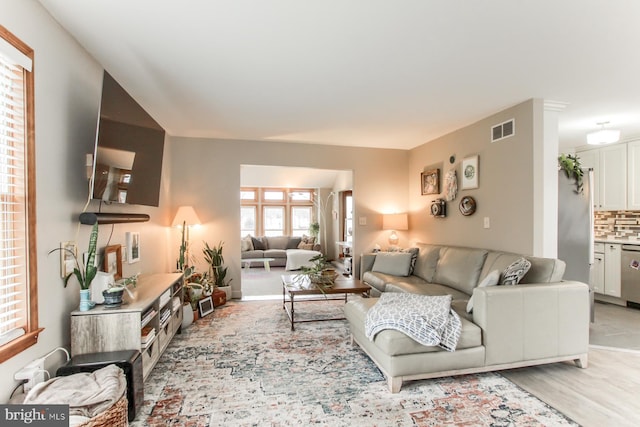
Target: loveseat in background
<point x="540" y="320"/>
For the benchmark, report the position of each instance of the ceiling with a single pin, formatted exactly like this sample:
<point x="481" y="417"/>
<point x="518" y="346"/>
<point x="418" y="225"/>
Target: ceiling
<point x="373" y="73"/>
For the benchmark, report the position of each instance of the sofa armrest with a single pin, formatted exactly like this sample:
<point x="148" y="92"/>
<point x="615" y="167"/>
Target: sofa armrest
<point x="366" y="263"/>
<point x="533" y="321"/>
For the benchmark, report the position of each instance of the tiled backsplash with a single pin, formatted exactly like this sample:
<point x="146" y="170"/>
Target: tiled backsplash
<point x="617" y="224"/>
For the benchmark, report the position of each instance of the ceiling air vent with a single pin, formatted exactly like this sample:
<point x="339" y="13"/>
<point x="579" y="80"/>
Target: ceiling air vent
<point x="503" y="130"/>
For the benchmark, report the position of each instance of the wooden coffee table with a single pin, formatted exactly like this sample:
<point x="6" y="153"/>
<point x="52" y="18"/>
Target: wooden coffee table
<point x="343" y="286"/>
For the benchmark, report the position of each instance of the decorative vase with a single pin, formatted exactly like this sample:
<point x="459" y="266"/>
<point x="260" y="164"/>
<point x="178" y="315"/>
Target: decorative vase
<point x="85" y="300"/>
<point x="187" y="315"/>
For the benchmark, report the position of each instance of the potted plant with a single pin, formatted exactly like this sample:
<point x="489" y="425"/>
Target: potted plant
<point x="320" y="274"/>
<point x="84" y="274"/>
<point x="217" y="270"/>
<point x="113" y="295"/>
<point x="314" y="229"/>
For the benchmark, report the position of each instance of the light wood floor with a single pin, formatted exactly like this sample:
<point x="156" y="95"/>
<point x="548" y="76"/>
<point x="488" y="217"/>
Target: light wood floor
<point x="607" y="392"/>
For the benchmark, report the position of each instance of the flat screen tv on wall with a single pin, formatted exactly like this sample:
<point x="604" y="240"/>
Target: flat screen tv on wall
<point x="127" y="165"/>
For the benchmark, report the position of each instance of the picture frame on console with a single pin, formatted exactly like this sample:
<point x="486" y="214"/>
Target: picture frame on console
<point x="470" y="173"/>
<point x="430" y="182"/>
<point x="205" y="305"/>
<point x="113" y="261"/>
<point x="133" y="246"/>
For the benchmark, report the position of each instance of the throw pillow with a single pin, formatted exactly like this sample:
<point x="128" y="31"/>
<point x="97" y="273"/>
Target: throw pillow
<point x="258" y="244"/>
<point x="492" y="279"/>
<point x="246" y="244"/>
<point x="414" y="257"/>
<point x="307" y="242"/>
<point x="515" y="272"/>
<point x="394" y="263"/>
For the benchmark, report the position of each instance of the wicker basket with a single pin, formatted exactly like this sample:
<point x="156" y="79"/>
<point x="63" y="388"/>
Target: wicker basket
<point x="115" y="416"/>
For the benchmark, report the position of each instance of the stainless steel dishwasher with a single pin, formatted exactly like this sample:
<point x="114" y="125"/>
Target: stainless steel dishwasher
<point x="630" y="273"/>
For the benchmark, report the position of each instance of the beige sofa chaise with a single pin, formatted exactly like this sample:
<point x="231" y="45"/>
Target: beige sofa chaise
<point x="540" y="320"/>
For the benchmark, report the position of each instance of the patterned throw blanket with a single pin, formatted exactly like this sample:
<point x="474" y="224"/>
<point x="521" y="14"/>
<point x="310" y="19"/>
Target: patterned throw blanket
<point x="428" y="320"/>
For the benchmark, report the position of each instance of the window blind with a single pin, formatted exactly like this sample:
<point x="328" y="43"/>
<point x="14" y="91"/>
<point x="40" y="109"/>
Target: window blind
<point x="13" y="209"/>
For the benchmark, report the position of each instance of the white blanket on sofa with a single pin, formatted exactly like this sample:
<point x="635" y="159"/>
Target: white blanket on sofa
<point x="298" y="258"/>
<point x="428" y="320"/>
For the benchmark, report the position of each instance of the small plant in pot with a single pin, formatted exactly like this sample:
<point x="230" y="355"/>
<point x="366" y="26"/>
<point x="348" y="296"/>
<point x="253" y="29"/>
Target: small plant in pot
<point x="113" y="295"/>
<point x="217" y="270"/>
<point x="84" y="274"/>
<point x="320" y="274"/>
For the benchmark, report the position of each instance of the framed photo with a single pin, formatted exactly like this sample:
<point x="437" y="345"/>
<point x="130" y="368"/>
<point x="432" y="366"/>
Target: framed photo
<point x="430" y="182"/>
<point x="113" y="261"/>
<point x="470" y="173"/>
<point x="133" y="247"/>
<point x="206" y="306"/>
<point x="68" y="254"/>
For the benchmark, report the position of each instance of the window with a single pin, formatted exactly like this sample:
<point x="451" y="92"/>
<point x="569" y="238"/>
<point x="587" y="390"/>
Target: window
<point x="273" y="217"/>
<point x="276" y="211"/>
<point x="300" y="220"/>
<point x="18" y="273"/>
<point x="247" y="220"/>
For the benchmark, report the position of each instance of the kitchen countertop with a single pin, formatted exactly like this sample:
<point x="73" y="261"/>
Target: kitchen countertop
<point x="617" y="240"/>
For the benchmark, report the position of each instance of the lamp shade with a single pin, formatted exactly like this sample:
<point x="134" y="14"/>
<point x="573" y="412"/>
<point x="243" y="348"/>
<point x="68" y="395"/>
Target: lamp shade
<point x="395" y="222"/>
<point x="187" y="215"/>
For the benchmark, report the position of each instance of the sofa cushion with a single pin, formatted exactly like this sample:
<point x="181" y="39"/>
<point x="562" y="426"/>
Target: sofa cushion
<point x="492" y="279"/>
<point x="414" y="257"/>
<point x="275" y="253"/>
<point x="253" y="254"/>
<point x="259" y="243"/>
<point x="377" y="280"/>
<point x="426" y="261"/>
<point x="246" y="243"/>
<point x="394" y="343"/>
<point x="277" y="242"/>
<point x="394" y="263"/>
<point x="544" y="270"/>
<point x="515" y="272"/>
<point x="460" y="268"/>
<point x="306" y="243"/>
<point x="433" y="289"/>
<point x="294" y="241"/>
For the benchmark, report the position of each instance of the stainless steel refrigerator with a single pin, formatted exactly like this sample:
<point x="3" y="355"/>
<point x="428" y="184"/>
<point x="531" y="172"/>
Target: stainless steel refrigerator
<point x="575" y="228"/>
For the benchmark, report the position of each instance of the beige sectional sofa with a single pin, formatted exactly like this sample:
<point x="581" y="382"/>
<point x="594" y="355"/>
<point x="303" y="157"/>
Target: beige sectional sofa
<point x="275" y="247"/>
<point x="540" y="320"/>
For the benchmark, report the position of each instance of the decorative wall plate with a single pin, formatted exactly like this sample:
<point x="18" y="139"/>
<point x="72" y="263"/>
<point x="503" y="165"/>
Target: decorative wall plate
<point x="467" y="205"/>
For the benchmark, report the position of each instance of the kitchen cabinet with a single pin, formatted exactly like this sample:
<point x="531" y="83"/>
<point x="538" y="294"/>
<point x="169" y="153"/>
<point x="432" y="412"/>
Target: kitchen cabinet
<point x="597" y="269"/>
<point x="610" y="176"/>
<point x="633" y="170"/>
<point x="612" y="271"/>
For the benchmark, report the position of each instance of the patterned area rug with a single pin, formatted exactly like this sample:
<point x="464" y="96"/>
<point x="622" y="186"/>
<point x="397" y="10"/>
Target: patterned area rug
<point x="243" y="366"/>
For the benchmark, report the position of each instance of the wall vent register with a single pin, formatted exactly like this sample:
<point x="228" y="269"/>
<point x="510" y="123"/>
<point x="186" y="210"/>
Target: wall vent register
<point x="503" y="130"/>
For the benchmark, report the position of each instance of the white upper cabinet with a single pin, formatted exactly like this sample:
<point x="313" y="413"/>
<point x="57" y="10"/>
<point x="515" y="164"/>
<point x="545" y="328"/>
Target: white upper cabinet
<point x="609" y="166"/>
<point x="613" y="177"/>
<point x="633" y="164"/>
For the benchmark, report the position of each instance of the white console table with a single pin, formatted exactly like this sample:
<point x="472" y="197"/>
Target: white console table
<point x="104" y="329"/>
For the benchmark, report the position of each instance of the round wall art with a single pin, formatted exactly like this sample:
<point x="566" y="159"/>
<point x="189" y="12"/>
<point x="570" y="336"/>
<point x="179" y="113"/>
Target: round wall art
<point x="467" y="205"/>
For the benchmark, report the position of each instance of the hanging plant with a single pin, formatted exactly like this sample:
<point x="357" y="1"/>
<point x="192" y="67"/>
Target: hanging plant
<point x="571" y="166"/>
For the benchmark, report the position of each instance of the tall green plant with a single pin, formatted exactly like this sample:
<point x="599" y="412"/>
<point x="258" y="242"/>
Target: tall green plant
<point x="90" y="270"/>
<point x="213" y="257"/>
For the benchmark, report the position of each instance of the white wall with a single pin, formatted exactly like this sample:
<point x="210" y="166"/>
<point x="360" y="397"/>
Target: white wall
<point x="206" y="175"/>
<point x="68" y="84"/>
<point x="505" y="194"/>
